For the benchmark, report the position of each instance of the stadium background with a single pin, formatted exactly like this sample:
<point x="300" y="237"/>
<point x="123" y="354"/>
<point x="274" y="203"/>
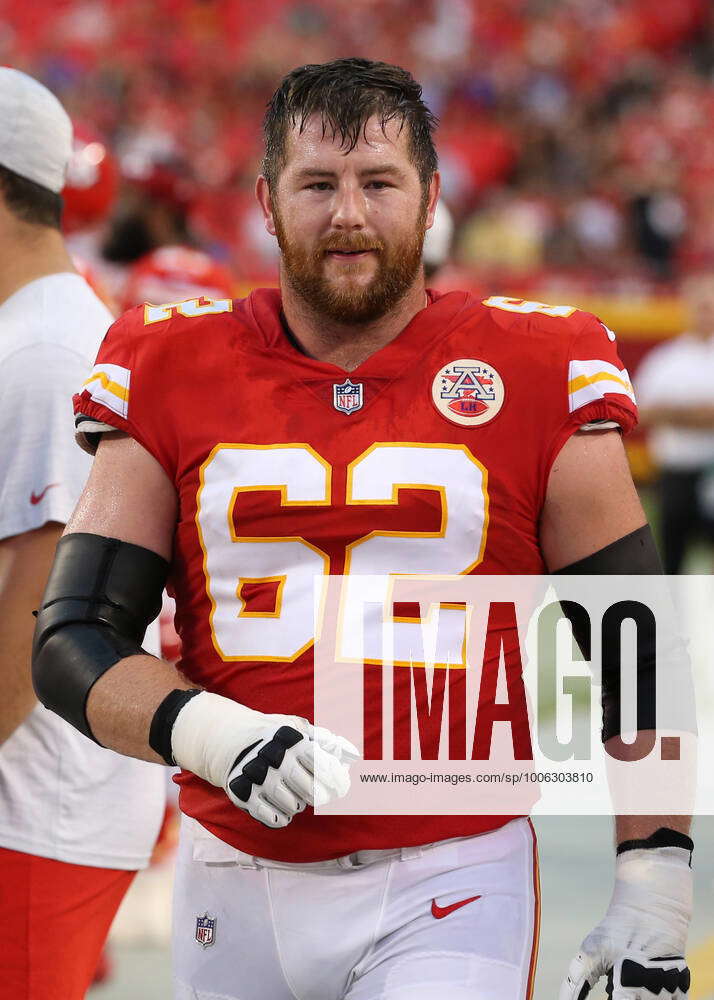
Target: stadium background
<point x="577" y="158"/>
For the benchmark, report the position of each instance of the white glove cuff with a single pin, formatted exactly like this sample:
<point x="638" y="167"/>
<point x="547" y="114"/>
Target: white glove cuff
<point x="208" y="733"/>
<point x="654" y="885"/>
<point x="640" y="863"/>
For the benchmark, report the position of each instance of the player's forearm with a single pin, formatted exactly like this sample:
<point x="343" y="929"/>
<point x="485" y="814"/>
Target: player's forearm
<point x="642" y="827"/>
<point x="628" y="827"/>
<point x="271" y="766"/>
<point x="122" y="703"/>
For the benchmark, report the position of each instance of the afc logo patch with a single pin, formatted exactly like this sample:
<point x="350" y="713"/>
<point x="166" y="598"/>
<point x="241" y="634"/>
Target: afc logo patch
<point x="468" y="392"/>
<point x="348" y="397"/>
<point x="206" y="929"/>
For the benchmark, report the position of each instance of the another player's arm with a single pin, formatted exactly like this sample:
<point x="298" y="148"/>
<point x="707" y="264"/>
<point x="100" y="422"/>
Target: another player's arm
<point x="88" y="666"/>
<point x="25" y="560"/>
<point x="36" y="382"/>
<point x="593" y="522"/>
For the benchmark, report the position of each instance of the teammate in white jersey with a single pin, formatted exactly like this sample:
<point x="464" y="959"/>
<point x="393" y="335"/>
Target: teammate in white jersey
<point x="76" y="821"/>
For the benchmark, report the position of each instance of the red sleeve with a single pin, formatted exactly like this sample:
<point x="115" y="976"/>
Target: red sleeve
<point x="118" y="393"/>
<point x="599" y="385"/>
<point x="596" y="387"/>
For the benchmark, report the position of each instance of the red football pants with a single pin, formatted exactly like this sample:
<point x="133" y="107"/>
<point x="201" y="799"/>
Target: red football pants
<point x="54" y="919"/>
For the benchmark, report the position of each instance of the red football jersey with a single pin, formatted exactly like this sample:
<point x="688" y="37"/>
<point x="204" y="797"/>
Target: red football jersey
<point x="287" y="467"/>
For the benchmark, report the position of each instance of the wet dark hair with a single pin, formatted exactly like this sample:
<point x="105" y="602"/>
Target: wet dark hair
<point x="29" y="201"/>
<point x="346" y="93"/>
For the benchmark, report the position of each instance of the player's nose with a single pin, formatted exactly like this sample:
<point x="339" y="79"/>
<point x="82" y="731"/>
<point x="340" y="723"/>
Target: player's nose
<point x="348" y="207"/>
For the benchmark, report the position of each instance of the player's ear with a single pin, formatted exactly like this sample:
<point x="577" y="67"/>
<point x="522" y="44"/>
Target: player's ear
<point x="433" y="197"/>
<point x="262" y="193"/>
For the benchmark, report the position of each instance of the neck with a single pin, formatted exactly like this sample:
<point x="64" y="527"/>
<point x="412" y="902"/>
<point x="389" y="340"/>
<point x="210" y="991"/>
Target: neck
<point x="343" y="344"/>
<point x="28" y="253"/>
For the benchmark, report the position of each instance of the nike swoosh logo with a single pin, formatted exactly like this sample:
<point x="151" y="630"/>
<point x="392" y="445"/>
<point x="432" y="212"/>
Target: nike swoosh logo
<point x="443" y="911"/>
<point x="36" y="497"/>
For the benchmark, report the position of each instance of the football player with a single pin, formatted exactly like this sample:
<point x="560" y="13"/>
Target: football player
<point x="243" y="449"/>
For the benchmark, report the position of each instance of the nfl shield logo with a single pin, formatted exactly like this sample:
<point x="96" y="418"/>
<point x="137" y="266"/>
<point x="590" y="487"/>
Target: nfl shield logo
<point x="348" y="397"/>
<point x="205" y="930"/>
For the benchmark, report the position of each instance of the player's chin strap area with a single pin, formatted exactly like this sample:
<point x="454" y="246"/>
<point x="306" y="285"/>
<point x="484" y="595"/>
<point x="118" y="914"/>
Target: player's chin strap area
<point x="100" y="596"/>
<point x="640" y="943"/>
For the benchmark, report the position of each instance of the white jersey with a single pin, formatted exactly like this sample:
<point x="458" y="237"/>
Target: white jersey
<point x="679" y="373"/>
<point x="61" y="795"/>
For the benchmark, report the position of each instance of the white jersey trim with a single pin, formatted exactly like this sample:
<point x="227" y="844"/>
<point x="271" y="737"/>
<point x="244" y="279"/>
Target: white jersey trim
<point x="109" y="385"/>
<point x="589" y="380"/>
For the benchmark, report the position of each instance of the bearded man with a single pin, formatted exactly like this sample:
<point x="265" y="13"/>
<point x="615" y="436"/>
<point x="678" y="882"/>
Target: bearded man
<point x="352" y="422"/>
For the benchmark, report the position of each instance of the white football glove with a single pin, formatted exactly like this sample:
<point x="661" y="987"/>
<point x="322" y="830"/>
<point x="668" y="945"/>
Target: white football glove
<point x="640" y="943"/>
<point x="272" y="766"/>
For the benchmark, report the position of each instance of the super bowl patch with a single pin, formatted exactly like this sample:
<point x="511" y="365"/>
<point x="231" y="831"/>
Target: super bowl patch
<point x="468" y="392"/>
<point x="206" y="929"/>
<point x="348" y="397"/>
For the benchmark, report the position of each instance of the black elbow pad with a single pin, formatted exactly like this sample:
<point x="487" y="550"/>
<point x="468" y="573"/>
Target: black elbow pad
<point x="636" y="555"/>
<point x="100" y="596"/>
<point x="632" y="555"/>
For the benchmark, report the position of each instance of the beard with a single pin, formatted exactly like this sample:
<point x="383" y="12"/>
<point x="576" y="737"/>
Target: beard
<point x="347" y="302"/>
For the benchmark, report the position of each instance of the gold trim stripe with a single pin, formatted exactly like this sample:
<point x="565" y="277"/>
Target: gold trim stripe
<point x="582" y="380"/>
<point x="113" y="387"/>
<point x="535" y="947"/>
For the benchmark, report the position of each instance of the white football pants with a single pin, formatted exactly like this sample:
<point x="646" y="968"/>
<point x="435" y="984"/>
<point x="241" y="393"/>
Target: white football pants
<point x="456" y="920"/>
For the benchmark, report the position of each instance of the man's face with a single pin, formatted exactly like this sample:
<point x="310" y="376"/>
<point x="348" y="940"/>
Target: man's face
<point x="350" y="226"/>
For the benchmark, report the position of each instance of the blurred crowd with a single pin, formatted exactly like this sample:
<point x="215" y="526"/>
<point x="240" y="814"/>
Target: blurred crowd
<point x="575" y="141"/>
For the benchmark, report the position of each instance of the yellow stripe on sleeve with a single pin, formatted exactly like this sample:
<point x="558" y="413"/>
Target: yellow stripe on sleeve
<point x="582" y="380"/>
<point x="113" y="387"/>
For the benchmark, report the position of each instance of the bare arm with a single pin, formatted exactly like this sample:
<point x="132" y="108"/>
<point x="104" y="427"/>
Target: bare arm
<point x="590" y="502"/>
<point x="129" y="496"/>
<point x="25" y="561"/>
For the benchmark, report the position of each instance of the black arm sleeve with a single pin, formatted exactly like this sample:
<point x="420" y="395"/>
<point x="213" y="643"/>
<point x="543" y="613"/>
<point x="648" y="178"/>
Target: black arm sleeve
<point x="632" y="555"/>
<point x="636" y="555"/>
<point x="100" y="596"/>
